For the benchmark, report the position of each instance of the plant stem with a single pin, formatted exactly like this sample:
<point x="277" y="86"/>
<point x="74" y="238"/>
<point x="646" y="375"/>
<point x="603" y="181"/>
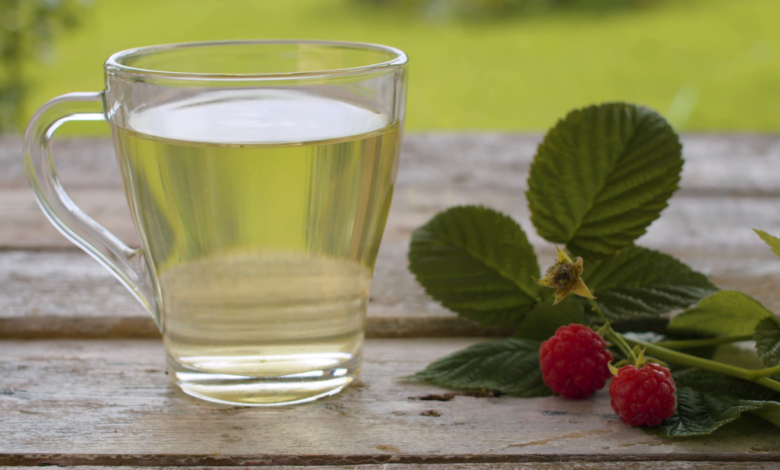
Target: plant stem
<point x="663" y="352"/>
<point x="611" y="335"/>
<point x="768" y="383"/>
<point x="597" y="309"/>
<point x="765" y="372"/>
<point x="698" y="343"/>
<point x="759" y="376"/>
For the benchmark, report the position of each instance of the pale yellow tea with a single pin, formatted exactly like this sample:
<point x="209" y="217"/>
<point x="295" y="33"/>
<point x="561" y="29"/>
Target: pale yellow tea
<point x="261" y="211"/>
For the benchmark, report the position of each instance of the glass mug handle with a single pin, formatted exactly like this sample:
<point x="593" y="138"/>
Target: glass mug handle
<point x="127" y="264"/>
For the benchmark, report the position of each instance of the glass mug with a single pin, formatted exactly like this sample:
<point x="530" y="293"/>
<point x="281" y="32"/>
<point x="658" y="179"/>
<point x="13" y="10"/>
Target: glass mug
<point x="259" y="175"/>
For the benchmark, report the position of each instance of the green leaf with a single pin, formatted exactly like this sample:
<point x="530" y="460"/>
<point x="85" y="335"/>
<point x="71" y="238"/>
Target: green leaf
<point x="707" y="401"/>
<point x="726" y="312"/>
<point x="700" y="413"/>
<point x="508" y="365"/>
<point x="601" y="176"/>
<point x="769" y="412"/>
<point x="734" y="355"/>
<point x="545" y="318"/>
<point x="767" y="338"/>
<point x="478" y="263"/>
<point x="773" y="242"/>
<point x="636" y="282"/>
<point x="719" y="384"/>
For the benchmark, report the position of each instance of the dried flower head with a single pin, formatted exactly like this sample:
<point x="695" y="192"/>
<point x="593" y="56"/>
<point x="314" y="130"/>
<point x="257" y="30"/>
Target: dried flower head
<point x="564" y="277"/>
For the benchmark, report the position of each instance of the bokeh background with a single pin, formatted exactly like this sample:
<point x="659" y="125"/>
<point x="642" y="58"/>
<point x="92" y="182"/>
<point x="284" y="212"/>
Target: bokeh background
<point x="507" y="65"/>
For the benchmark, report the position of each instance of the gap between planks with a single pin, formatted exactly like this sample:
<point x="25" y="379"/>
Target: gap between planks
<point x="570" y="465"/>
<point x="391" y="462"/>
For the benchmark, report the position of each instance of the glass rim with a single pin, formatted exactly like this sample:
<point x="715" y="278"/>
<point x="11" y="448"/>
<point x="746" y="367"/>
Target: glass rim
<point x="114" y="66"/>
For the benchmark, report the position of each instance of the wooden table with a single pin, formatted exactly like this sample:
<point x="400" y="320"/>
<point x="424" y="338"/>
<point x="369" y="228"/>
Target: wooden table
<point x="82" y="378"/>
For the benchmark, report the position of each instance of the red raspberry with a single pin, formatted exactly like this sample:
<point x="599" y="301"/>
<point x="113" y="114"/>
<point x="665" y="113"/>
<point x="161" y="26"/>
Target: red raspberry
<point x="643" y="396"/>
<point x="574" y="361"/>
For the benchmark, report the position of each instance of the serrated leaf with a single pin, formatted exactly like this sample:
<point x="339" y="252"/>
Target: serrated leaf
<point x="767" y="338"/>
<point x="508" y="365"/>
<point x="478" y="263"/>
<point x="545" y="318"/>
<point x="699" y="413"/>
<point x="726" y="312"/>
<point x="773" y="242"/>
<point x="639" y="283"/>
<point x="601" y="176"/>
<point x="719" y="384"/>
<point x="707" y="401"/>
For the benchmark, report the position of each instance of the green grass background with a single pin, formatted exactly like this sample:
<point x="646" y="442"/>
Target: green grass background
<point x="706" y="64"/>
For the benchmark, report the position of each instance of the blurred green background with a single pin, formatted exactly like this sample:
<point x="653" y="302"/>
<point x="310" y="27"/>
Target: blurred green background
<point x="509" y="65"/>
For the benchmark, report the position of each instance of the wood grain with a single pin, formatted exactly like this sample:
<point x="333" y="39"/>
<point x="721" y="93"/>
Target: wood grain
<point x="733" y="176"/>
<point x="110" y="403"/>
<point x="573" y="465"/>
<point x="730" y="185"/>
<point x="463" y="159"/>
<point x="65" y="294"/>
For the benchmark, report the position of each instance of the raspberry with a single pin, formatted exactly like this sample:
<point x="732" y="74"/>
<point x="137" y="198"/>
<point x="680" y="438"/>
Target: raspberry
<point x="643" y="396"/>
<point x="574" y="361"/>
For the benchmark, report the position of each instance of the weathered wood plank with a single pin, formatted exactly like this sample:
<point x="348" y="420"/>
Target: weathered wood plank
<point x="715" y="223"/>
<point x="110" y="403"/>
<point x="65" y="294"/>
<point x="437" y="171"/>
<point x="708" y="225"/>
<point x="574" y="465"/>
<point x="688" y="224"/>
<point x="464" y="159"/>
<point x="86" y="163"/>
<point x="25" y="226"/>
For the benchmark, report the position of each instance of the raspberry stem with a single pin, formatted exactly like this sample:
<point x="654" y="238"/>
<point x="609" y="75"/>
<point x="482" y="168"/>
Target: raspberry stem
<point x="699" y="343"/>
<point x="759" y="376"/>
<point x="611" y="335"/>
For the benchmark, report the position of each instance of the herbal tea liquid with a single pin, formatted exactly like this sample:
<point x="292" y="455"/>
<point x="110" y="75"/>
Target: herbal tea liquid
<point x="259" y="215"/>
